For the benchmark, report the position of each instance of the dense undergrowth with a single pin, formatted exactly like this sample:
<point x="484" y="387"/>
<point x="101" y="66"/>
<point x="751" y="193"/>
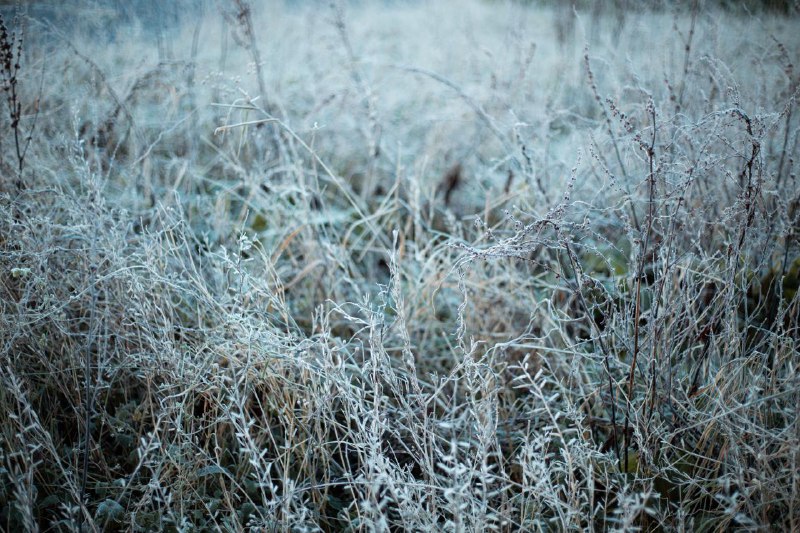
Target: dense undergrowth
<point x="462" y="267"/>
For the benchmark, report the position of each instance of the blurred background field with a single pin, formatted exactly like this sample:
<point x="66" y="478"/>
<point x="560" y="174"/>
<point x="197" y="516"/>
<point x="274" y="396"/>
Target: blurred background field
<point x="465" y="266"/>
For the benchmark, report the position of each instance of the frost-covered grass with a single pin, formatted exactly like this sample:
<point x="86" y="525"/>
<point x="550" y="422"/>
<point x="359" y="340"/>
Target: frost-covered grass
<point x="467" y="266"/>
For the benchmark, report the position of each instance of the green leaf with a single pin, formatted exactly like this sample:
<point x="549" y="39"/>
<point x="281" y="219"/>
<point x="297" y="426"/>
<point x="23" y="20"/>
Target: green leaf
<point x="108" y="510"/>
<point x="212" y="470"/>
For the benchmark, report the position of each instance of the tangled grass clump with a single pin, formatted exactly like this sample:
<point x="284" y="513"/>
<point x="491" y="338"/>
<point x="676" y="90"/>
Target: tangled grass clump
<point x="250" y="280"/>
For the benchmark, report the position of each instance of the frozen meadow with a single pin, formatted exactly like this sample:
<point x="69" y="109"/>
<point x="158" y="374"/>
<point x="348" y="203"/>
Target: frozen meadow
<point x="399" y="266"/>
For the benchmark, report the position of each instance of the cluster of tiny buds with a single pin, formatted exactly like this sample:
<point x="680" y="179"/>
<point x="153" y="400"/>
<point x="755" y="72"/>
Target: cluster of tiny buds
<point x="7" y="52"/>
<point x="590" y="74"/>
<point x="670" y="90"/>
<point x="789" y="67"/>
<point x="618" y="113"/>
